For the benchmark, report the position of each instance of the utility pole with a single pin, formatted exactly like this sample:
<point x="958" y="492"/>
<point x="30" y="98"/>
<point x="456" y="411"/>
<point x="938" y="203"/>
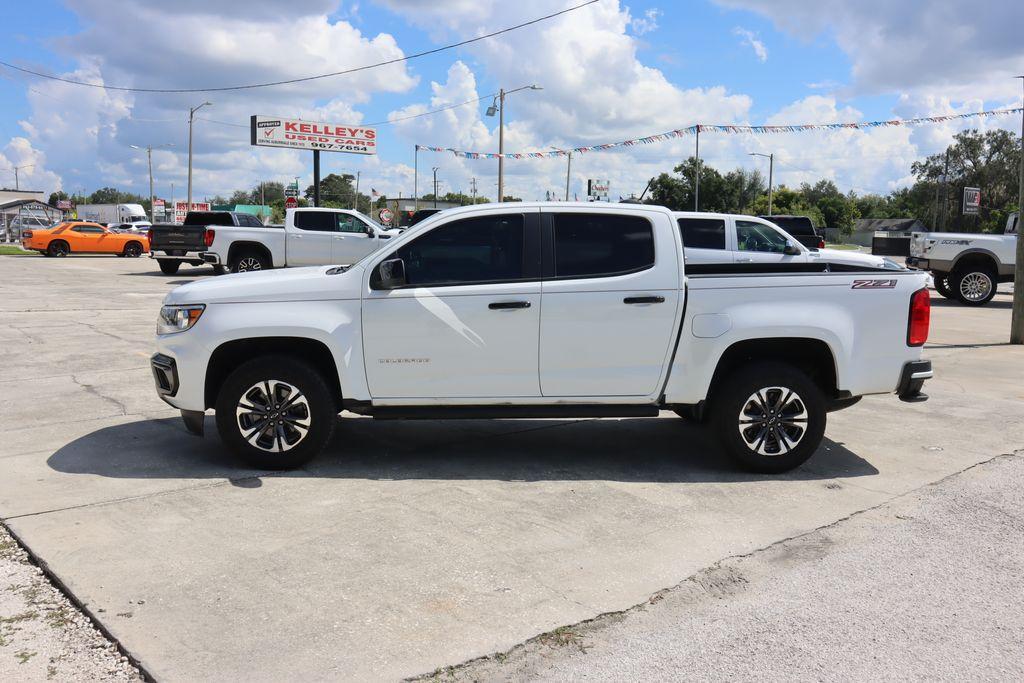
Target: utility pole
<point x="472" y="185"/>
<point x="435" y="169"/>
<point x="498" y="107"/>
<point x="1017" y="320"/>
<point x="191" y="115"/>
<point x="568" y="174"/>
<point x="696" y="182"/>
<point x="149" y="159"/>
<point x="945" y="192"/>
<point x="17" y="185"/>
<point x="358" y="173"/>
<point x="771" y="171"/>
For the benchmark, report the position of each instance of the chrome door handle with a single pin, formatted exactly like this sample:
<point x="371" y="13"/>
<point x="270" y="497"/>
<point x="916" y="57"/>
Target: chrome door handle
<point x="504" y="305"/>
<point x="644" y="300"/>
<point x="744" y="260"/>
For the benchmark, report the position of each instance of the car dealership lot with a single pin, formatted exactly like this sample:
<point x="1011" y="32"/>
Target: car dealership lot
<point x="410" y="545"/>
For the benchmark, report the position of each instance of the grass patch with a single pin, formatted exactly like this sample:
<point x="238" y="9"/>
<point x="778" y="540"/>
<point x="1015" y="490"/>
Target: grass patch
<point x="11" y="250"/>
<point x="845" y="247"/>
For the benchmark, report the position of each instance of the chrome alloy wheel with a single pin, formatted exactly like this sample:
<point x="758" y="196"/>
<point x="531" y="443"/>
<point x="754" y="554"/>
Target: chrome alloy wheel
<point x="975" y="286"/>
<point x="773" y="421"/>
<point x="273" y="416"/>
<point x="248" y="263"/>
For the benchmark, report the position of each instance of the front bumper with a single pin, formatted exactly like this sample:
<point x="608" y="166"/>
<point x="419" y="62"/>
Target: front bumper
<point x="165" y="374"/>
<point x="912" y="380"/>
<point x="918" y="263"/>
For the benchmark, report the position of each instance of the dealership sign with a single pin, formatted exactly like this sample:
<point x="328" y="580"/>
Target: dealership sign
<point x="972" y="200"/>
<point x="598" y="188"/>
<point x="274" y="131"/>
<point x="181" y="208"/>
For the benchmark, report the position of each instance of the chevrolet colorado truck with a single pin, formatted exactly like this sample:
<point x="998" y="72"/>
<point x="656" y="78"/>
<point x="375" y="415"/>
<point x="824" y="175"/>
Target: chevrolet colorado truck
<point x="540" y="310"/>
<point x="966" y="266"/>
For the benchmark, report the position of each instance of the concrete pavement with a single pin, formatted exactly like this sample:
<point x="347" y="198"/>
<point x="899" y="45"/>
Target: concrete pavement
<point x="408" y="546"/>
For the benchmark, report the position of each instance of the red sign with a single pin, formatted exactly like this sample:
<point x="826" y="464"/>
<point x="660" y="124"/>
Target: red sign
<point x="291" y="203"/>
<point x="181" y="208"/>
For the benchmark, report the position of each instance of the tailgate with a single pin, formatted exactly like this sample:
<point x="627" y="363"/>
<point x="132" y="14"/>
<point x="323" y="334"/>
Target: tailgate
<point x="178" y="238"/>
<point x="918" y="241"/>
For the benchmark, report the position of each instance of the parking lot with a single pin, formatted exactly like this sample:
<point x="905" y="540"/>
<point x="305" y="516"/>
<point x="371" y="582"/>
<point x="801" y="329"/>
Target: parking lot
<point x="410" y="546"/>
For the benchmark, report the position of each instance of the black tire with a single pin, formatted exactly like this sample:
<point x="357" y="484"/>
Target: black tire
<point x="942" y="285"/>
<point x="248" y="261"/>
<point x="973" y="286"/>
<point x="58" y="249"/>
<point x="250" y="385"/>
<point x="132" y="250"/>
<point x="169" y="267"/>
<point x="769" y="445"/>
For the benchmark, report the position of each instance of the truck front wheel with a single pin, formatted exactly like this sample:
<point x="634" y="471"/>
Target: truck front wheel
<point x="942" y="285"/>
<point x="770" y="417"/>
<point x="275" y="412"/>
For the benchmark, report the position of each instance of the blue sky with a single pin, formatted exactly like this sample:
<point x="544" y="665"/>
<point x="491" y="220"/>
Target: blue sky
<point x="619" y="70"/>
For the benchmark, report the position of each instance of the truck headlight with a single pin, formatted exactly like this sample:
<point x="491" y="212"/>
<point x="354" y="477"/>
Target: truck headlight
<point x="178" y="318"/>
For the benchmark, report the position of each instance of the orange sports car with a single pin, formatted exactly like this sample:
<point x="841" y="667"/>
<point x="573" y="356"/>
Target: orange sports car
<point x="83" y="237"/>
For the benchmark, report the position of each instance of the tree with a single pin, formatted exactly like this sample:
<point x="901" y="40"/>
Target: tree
<point x="56" y="197"/>
<point x="271" y="191"/>
<point x="988" y="160"/>
<point x="240" y="197"/>
<point x="338" y="191"/>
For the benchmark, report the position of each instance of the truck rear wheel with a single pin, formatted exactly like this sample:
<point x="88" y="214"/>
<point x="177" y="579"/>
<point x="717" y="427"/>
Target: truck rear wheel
<point x="247" y="261"/>
<point x="169" y="267"/>
<point x="973" y="286"/>
<point x="770" y="417"/>
<point x="275" y="412"/>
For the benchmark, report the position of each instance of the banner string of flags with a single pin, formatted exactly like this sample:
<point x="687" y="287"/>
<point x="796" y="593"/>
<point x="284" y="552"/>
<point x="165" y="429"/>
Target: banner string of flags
<point x="729" y="129"/>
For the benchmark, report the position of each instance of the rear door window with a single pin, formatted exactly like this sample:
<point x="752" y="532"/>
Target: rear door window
<point x="702" y="233"/>
<point x="316" y="221"/>
<point x="590" y="245"/>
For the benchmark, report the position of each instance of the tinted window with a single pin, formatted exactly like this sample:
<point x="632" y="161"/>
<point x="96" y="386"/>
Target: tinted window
<point x="703" y="233"/>
<point x="347" y="223"/>
<point x="89" y="230"/>
<point x="752" y="236"/>
<point x="592" y="245"/>
<point x="319" y="221"/>
<point x="485" y="249"/>
<point x="794" y="225"/>
<point x="208" y="218"/>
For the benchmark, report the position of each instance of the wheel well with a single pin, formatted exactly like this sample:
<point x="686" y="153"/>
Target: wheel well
<point x="136" y="242"/>
<point x="239" y="248"/>
<point x="230" y="355"/>
<point x="976" y="260"/>
<point x="813" y="356"/>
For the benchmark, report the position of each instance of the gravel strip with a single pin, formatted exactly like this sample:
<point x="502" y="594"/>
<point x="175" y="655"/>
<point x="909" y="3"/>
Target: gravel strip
<point x="43" y="636"/>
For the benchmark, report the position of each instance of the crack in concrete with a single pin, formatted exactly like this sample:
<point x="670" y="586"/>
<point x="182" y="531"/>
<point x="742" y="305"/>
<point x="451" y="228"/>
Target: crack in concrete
<point x="696" y="577"/>
<point x="91" y="389"/>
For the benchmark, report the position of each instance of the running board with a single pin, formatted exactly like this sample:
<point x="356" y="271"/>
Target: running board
<point x="504" y="411"/>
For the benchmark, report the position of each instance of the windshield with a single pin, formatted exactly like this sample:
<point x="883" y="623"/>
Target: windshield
<point x="138" y="219"/>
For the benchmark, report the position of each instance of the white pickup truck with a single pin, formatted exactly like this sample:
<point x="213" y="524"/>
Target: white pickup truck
<point x="539" y="310"/>
<point x="310" y="236"/>
<point x="729" y="238"/>
<point x="966" y="266"/>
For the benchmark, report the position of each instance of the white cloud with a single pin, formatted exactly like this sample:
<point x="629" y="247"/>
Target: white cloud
<point x="750" y="39"/>
<point x="647" y="23"/>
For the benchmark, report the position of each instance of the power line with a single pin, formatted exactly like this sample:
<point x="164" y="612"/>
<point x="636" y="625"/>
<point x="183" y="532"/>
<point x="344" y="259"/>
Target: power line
<point x="304" y="79"/>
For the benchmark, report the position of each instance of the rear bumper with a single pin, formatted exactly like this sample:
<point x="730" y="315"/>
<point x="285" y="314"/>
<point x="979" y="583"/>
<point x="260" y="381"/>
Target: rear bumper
<point x="912" y="380"/>
<point x="210" y="257"/>
<point x="918" y="263"/>
<point x="191" y="258"/>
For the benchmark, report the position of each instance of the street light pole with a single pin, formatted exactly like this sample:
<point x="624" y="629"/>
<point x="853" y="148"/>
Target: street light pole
<point x="1017" y="320"/>
<point x="771" y="171"/>
<point x="435" y="169"/>
<point x="191" y="115"/>
<point x="498" y="107"/>
<point x="17" y="184"/>
<point x="149" y="159"/>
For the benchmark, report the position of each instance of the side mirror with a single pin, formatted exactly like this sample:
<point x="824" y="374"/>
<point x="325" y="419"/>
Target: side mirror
<point x="791" y="250"/>
<point x="390" y="274"/>
<point x="370" y="232"/>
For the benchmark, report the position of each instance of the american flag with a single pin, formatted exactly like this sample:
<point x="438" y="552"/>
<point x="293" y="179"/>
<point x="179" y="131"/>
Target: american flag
<point x="374" y="193"/>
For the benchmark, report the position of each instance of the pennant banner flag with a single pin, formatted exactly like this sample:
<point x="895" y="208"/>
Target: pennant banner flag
<point x="729" y="129"/>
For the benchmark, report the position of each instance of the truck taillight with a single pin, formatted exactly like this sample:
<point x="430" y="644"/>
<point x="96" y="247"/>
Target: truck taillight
<point x="920" y="317"/>
<point x="208" y="238"/>
<point x="149" y="235"/>
<point x="821" y="243"/>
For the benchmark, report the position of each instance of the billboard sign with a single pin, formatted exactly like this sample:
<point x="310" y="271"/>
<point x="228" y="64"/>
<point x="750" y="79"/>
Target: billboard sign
<point x="64" y="204"/>
<point x="972" y="200"/>
<point x="598" y="188"/>
<point x="275" y="131"/>
<point x="181" y="208"/>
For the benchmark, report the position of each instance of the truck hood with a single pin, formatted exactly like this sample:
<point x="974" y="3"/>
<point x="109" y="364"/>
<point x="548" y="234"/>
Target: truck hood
<point x="851" y="258"/>
<point x="316" y="283"/>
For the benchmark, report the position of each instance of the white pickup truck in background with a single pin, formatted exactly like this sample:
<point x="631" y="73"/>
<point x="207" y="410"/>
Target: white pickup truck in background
<point x="536" y="310"/>
<point x="310" y="236"/>
<point x="966" y="266"/>
<point x="728" y="238"/>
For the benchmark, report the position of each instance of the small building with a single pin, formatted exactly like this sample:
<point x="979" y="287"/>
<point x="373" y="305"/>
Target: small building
<point x="18" y="214"/>
<point x="864" y="229"/>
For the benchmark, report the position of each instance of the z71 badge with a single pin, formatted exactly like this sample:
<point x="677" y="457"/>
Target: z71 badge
<point x="874" y="284"/>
